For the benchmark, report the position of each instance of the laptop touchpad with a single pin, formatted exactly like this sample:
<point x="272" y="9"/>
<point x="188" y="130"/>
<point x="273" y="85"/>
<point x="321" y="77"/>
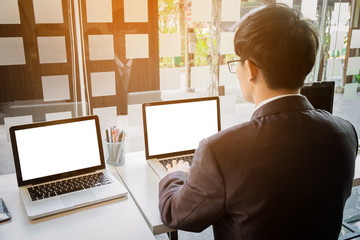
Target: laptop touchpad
<point x="77" y="198"/>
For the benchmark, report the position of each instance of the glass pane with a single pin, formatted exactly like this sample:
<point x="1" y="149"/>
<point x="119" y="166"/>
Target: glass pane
<point x="37" y="67"/>
<point x="341" y="61"/>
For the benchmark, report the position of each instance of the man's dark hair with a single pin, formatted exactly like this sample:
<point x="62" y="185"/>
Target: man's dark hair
<point x="280" y="43"/>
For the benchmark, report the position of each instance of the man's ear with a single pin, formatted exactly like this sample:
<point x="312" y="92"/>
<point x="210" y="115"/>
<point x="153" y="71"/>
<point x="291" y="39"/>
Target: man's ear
<point x="252" y="70"/>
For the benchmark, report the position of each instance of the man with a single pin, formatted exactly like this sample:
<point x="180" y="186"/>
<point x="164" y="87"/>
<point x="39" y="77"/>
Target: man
<point x="285" y="174"/>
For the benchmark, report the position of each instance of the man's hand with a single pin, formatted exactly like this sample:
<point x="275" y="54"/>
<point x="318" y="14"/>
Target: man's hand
<point x="178" y="166"/>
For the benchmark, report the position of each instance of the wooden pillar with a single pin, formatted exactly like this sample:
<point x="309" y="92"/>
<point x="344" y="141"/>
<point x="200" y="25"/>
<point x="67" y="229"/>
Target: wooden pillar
<point x="354" y="24"/>
<point x="214" y="47"/>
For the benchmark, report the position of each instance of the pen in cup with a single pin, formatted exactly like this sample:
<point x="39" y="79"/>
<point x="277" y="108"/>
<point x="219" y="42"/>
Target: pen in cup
<point x="114" y="146"/>
<point x="114" y="135"/>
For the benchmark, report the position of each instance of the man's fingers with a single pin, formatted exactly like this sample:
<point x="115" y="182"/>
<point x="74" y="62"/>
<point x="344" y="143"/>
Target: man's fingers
<point x="168" y="166"/>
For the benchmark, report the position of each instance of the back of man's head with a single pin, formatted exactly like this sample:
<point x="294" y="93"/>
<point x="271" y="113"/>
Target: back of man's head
<point x="280" y="43"/>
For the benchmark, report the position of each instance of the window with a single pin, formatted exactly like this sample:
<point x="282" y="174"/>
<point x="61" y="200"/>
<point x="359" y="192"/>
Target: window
<point x="68" y="58"/>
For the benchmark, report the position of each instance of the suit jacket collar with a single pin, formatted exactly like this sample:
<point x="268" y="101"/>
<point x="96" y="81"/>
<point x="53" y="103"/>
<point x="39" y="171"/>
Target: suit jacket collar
<point x="285" y="104"/>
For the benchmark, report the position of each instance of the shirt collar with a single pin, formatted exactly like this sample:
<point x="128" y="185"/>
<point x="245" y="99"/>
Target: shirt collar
<point x="274" y="98"/>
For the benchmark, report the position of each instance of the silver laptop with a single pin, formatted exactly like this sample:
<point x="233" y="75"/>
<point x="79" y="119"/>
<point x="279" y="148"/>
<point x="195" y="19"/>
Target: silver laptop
<point x="173" y="129"/>
<point x="60" y="166"/>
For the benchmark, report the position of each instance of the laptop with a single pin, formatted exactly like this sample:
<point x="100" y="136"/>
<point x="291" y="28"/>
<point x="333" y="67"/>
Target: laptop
<point x="60" y="166"/>
<point x="320" y="94"/>
<point x="173" y="129"/>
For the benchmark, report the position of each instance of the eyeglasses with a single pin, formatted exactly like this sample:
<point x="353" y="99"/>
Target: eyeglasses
<point x="233" y="64"/>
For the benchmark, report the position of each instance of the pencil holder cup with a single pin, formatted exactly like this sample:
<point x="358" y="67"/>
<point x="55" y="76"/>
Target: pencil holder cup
<point x="115" y="153"/>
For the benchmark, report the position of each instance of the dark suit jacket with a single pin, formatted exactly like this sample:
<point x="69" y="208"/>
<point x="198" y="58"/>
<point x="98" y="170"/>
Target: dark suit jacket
<point x="285" y="174"/>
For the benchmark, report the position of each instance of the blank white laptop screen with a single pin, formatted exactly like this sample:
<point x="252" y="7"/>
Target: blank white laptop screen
<point x="48" y="150"/>
<point x="181" y="126"/>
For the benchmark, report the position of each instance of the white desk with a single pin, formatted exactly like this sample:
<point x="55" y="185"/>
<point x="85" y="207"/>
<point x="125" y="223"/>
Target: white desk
<point x="356" y="181"/>
<point x="143" y="184"/>
<point x="115" y="219"/>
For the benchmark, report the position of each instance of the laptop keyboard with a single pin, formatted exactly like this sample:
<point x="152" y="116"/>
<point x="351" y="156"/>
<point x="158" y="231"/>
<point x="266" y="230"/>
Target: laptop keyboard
<point x="67" y="186"/>
<point x="166" y="161"/>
